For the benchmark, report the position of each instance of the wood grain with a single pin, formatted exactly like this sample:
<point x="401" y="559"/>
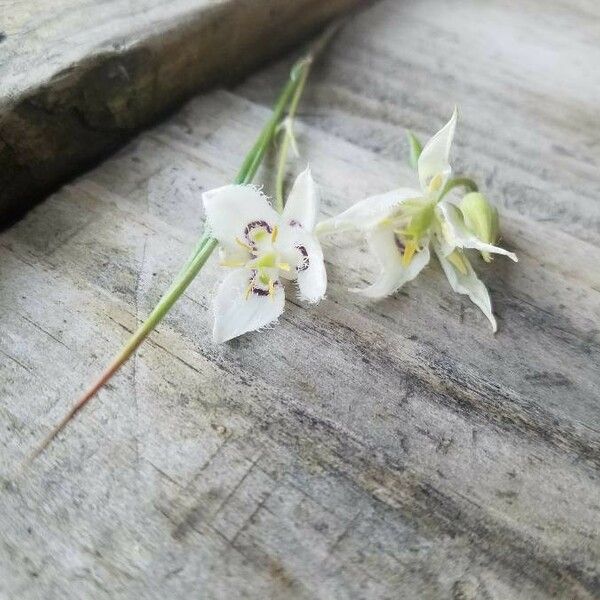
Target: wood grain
<point x="77" y="78"/>
<point x="391" y="450"/>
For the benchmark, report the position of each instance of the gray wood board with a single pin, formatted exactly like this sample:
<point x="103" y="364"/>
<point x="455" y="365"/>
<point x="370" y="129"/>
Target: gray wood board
<point x="77" y="78"/>
<point x="395" y="449"/>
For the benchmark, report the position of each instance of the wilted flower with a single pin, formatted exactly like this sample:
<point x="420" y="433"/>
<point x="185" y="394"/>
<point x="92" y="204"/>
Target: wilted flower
<point x="401" y="225"/>
<point x="261" y="247"/>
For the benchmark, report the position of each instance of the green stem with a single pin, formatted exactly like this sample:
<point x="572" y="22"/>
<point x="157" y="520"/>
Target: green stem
<point x="287" y="136"/>
<point x="465" y="182"/>
<point x="205" y="245"/>
<point x="160" y="310"/>
<point x="300" y="72"/>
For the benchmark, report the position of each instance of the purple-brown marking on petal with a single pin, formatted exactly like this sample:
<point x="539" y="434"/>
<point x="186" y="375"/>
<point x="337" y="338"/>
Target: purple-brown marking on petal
<point x="399" y="243"/>
<point x="305" y="260"/>
<point x="253" y="225"/>
<point x="260" y="291"/>
<point x="255" y="287"/>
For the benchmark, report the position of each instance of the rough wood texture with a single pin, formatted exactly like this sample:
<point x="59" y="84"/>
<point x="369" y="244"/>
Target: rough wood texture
<point x="77" y="77"/>
<point x="359" y="450"/>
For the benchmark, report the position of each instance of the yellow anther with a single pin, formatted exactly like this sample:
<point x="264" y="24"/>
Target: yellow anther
<point x="232" y="263"/>
<point x="283" y="266"/>
<point x="274" y="234"/>
<point x="409" y="252"/>
<point x="244" y="245"/>
<point x="271" y="289"/>
<point x="457" y="259"/>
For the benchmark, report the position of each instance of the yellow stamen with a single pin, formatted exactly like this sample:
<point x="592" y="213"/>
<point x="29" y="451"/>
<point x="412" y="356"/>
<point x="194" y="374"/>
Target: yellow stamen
<point x="274" y="234"/>
<point x="244" y="245"/>
<point x="232" y="263"/>
<point x="409" y="252"/>
<point x="457" y="259"/>
<point x="271" y="289"/>
<point x="283" y="266"/>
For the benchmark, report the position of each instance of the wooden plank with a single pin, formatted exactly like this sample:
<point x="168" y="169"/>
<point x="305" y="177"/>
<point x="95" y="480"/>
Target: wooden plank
<point x="78" y="78"/>
<point x="359" y="450"/>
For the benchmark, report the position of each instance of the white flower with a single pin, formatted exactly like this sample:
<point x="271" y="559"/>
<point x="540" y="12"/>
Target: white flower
<point x="401" y="225"/>
<point x="261" y="246"/>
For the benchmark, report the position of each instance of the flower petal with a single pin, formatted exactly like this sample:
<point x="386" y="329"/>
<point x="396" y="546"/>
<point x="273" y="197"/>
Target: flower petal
<point x="312" y="280"/>
<point x="364" y="215"/>
<point x="382" y="242"/>
<point x="302" y="253"/>
<point x="302" y="204"/>
<point x="434" y="158"/>
<point x="229" y="210"/>
<point x="457" y="235"/>
<point x="467" y="283"/>
<point x="237" y="312"/>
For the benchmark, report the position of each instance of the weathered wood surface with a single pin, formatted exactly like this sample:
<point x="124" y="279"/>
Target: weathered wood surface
<point x="359" y="450"/>
<point x="77" y="78"/>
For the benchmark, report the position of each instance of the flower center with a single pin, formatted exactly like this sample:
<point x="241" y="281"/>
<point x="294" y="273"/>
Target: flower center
<point x="410" y="225"/>
<point x="261" y="259"/>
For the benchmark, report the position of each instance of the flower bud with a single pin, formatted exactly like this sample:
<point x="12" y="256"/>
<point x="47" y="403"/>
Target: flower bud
<point x="481" y="218"/>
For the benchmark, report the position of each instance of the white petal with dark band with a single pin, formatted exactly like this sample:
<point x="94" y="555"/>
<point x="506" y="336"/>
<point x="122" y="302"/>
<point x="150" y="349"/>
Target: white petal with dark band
<point x="365" y="214"/>
<point x="457" y="235"/>
<point x="302" y="206"/>
<point x="382" y="242"/>
<point x="312" y="277"/>
<point x="231" y="208"/>
<point x="434" y="159"/>
<point x="237" y="313"/>
<point x="302" y="251"/>
<point x="468" y="284"/>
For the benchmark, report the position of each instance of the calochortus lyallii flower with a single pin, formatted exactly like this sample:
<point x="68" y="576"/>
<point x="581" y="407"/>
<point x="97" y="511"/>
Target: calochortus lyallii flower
<point x="260" y="247"/>
<point x="401" y="225"/>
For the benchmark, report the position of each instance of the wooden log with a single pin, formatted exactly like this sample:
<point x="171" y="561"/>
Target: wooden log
<point x="78" y="78"/>
<point x="358" y="450"/>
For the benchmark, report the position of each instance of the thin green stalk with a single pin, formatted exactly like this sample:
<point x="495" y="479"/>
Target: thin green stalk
<point x="205" y="245"/>
<point x="465" y="182"/>
<point x="300" y="72"/>
<point x="287" y="136"/>
<point x="160" y="310"/>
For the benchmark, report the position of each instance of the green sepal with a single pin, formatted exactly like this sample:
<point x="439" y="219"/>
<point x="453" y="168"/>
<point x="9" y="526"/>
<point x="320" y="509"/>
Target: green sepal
<point x="420" y="222"/>
<point x="414" y="150"/>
